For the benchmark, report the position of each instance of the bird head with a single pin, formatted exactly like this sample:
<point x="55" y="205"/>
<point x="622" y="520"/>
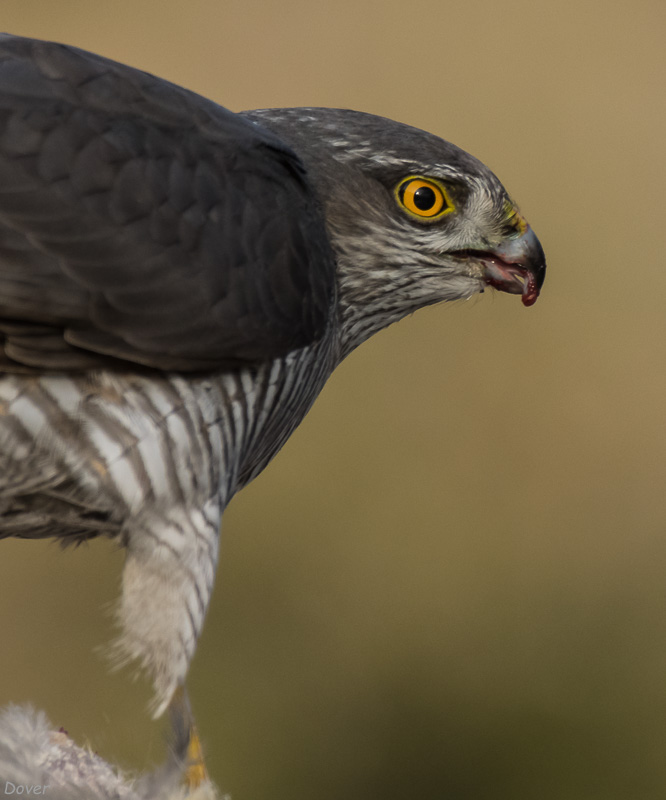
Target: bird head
<point x="413" y="220"/>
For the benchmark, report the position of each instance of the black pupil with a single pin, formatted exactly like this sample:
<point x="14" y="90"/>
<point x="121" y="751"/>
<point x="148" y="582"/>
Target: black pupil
<point x="424" y="198"/>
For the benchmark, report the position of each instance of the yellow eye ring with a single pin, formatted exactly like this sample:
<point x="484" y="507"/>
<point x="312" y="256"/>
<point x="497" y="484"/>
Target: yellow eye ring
<point x="424" y="198"/>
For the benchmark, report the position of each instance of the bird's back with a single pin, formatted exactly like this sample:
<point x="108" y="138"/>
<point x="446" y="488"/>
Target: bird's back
<point x="141" y="222"/>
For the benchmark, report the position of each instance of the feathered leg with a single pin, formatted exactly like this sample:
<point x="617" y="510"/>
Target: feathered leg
<point x="166" y="586"/>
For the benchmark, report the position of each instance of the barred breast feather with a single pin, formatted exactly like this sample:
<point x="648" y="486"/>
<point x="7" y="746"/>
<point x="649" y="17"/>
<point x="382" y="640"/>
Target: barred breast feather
<point x="151" y="460"/>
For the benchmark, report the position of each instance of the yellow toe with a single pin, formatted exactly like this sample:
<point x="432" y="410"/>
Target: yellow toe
<point x="195" y="772"/>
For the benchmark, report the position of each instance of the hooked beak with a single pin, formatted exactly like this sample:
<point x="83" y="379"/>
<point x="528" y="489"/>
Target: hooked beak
<point x="518" y="266"/>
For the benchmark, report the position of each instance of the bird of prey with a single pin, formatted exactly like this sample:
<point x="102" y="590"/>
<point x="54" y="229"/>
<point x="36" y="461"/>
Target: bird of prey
<point x="177" y="283"/>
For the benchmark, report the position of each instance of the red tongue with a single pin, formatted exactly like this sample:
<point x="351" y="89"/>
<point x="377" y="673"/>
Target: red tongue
<point x="531" y="290"/>
<point x="511" y="277"/>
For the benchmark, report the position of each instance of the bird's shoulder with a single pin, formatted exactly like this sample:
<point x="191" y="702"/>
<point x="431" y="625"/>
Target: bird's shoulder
<point x="141" y="221"/>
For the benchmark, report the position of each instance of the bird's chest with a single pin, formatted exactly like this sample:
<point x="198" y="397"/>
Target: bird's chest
<point x="283" y="394"/>
<point x="74" y="451"/>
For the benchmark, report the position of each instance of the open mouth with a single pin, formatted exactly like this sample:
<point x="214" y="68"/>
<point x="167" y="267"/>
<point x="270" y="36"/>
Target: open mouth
<point x="506" y="276"/>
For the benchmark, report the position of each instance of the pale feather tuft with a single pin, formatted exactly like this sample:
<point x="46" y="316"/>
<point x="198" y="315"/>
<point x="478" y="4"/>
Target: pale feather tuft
<point x="33" y="754"/>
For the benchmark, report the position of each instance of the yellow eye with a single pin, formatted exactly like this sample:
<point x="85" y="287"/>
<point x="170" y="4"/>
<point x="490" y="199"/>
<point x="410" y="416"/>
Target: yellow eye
<point x="423" y="197"/>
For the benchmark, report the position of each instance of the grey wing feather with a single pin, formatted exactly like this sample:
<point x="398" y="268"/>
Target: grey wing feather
<point x="140" y="221"/>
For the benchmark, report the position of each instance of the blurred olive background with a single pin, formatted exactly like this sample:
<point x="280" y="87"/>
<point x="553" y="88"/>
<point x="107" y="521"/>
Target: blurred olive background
<point x="452" y="581"/>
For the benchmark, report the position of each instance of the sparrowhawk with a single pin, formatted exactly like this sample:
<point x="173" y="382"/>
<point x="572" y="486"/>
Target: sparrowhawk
<point x="177" y="283"/>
